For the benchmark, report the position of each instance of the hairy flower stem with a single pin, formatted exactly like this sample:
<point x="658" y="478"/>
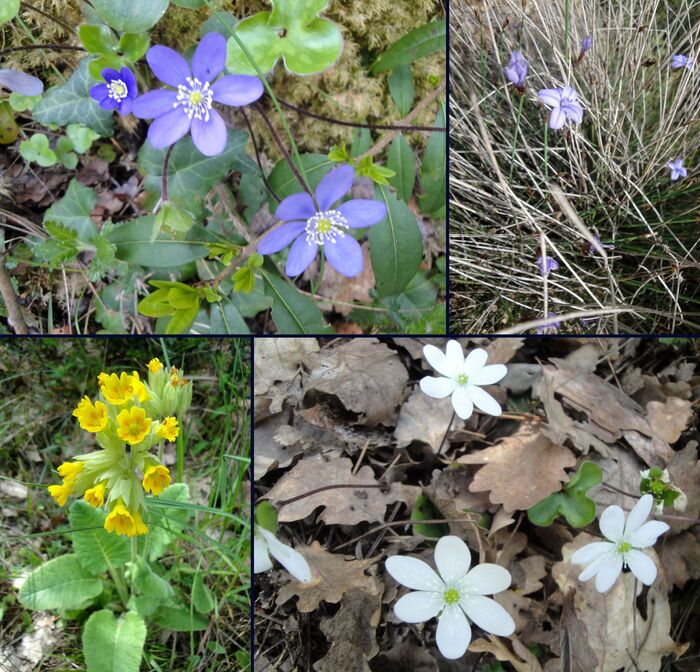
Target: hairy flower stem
<point x="164" y="178"/>
<point x="269" y="189"/>
<point x="515" y="138"/>
<point x="319" y="276"/>
<point x="119" y="584"/>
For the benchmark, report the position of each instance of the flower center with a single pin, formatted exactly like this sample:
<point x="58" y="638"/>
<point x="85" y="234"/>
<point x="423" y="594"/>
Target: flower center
<point x="325" y="227"/>
<point x="195" y="98"/>
<point x="462" y="379"/>
<point x="117" y="90"/>
<point x="624" y="547"/>
<point x="451" y="596"/>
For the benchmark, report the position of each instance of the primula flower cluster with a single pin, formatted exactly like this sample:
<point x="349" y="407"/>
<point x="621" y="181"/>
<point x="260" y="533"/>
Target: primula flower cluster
<point x="129" y="419"/>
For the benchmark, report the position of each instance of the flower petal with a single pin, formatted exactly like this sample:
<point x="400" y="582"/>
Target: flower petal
<point x="608" y="573"/>
<point x="612" y="523"/>
<point x="437" y="359"/>
<point x="129" y="79"/>
<point x="551" y="97"/>
<point x="574" y="112"/>
<point x="453" y="632"/>
<point x="475" y="360"/>
<point x="647" y="534"/>
<point x="261" y="557"/>
<point x="110" y="74"/>
<point x="280" y="237"/>
<point x="569" y="92"/>
<point x="155" y="104"/>
<point x="362" y="212"/>
<point x="209" y="57"/>
<point x="483" y="400"/>
<point x="414" y="573"/>
<point x="296" y="207"/>
<point x="488" y="375"/>
<point x="452" y="558"/>
<point x="301" y="254"/>
<point x="293" y="561"/>
<point x="168" y="129"/>
<point x="168" y="66"/>
<point x="237" y="90"/>
<point x="486" y="579"/>
<point x="557" y="118"/>
<point x="642" y="566"/>
<point x="639" y="513"/>
<point x="488" y="615"/>
<point x="99" y="92"/>
<point x="209" y="137"/>
<point x="334" y="186"/>
<point x="345" y="255"/>
<point x="418" y="606"/>
<point x="109" y="103"/>
<point x="125" y="106"/>
<point x="455" y="357"/>
<point x="591" y="552"/>
<point x="20" y="82"/>
<point x="597" y="565"/>
<point x="437" y="388"/>
<point x="462" y="403"/>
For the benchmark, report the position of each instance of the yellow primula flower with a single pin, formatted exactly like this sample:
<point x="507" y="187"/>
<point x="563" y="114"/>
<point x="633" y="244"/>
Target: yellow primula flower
<point x="120" y="521"/>
<point x="139" y="389"/>
<point x="139" y="525"/>
<point x="156" y="479"/>
<point x="95" y="496"/>
<point x="133" y="425"/>
<point x="69" y="470"/>
<point x="60" y="492"/>
<point x="91" y="418"/>
<point x="168" y="429"/>
<point x="117" y="390"/>
<point x="155" y="365"/>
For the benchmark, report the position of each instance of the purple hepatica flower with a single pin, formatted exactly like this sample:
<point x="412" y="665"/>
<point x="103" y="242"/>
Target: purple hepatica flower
<point x="190" y="107"/>
<point x="20" y="82"/>
<point x="547" y="267"/>
<point x="516" y="70"/>
<point x="553" y="324"/>
<point x="606" y="246"/>
<point x="677" y="169"/>
<point x="327" y="227"/>
<point x="119" y="91"/>
<point x="680" y="61"/>
<point x="564" y="104"/>
<point x="586" y="43"/>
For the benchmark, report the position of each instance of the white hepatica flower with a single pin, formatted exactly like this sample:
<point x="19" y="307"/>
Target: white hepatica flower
<point x="452" y="595"/>
<point x="266" y="544"/>
<point x="606" y="558"/>
<point x="461" y="378"/>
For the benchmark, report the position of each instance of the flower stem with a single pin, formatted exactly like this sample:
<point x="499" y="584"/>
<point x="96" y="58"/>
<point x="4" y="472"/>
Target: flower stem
<point x="319" y="276"/>
<point x="546" y="151"/>
<point x="270" y="190"/>
<point x="119" y="584"/>
<point x="515" y="137"/>
<point x="447" y="431"/>
<point x="567" y="21"/>
<point x="164" y="178"/>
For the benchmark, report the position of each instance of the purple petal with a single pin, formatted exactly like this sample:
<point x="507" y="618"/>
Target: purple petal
<point x="168" y="65"/>
<point x="300" y="257"/>
<point x="209" y="57"/>
<point x="108" y="104"/>
<point x="362" y="212"/>
<point x="21" y="83"/>
<point x="334" y="186"/>
<point x="130" y="80"/>
<point x="110" y="74"/>
<point x="168" y="129"/>
<point x="570" y="93"/>
<point x="573" y="111"/>
<point x="209" y="137"/>
<point x="550" y="97"/>
<point x="557" y="118"/>
<point x="281" y="237"/>
<point x="237" y="90"/>
<point x="296" y="206"/>
<point x="99" y="92"/>
<point x="125" y="106"/>
<point x="154" y="104"/>
<point x="345" y="255"/>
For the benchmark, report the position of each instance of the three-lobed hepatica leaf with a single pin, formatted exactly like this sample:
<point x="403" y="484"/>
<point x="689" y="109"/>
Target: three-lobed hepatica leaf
<point x="130" y="16"/>
<point x="293" y="31"/>
<point x="572" y="502"/>
<point x="112" y="644"/>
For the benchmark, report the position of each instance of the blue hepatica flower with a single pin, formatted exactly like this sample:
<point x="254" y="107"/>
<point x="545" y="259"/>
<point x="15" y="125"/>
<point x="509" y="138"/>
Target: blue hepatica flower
<point x="326" y="227"/>
<point x="564" y="105"/>
<point x="677" y="169"/>
<point x="24" y="84"/>
<point x="190" y="106"/>
<point x="681" y="61"/>
<point x="516" y="70"/>
<point x="119" y="91"/>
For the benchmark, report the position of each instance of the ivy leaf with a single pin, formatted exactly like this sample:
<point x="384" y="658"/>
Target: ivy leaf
<point x="74" y="209"/>
<point x="37" y="150"/>
<point x="293" y="31"/>
<point x="130" y="16"/>
<point x="71" y="103"/>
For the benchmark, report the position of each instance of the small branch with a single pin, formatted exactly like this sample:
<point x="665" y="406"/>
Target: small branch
<point x="15" y="317"/>
<point x="257" y="157"/>
<point x="52" y="47"/>
<point x="50" y="17"/>
<point x="311" y="493"/>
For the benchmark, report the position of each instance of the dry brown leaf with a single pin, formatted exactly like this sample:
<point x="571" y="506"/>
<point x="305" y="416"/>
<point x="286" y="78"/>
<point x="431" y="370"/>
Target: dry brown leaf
<point x="670" y="419"/>
<point x="684" y="470"/>
<point x="278" y="359"/>
<point x="342" y="506"/>
<point x="341" y="292"/>
<point x="423" y="419"/>
<point x="406" y="657"/>
<point x="332" y="575"/>
<point x="521" y="469"/>
<point x="275" y="446"/>
<point x="576" y="654"/>
<point x="528" y="574"/>
<point x="521" y="658"/>
<point x="680" y="555"/>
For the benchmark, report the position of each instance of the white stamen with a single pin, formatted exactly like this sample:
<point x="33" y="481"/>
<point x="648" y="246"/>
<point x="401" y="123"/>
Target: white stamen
<point x="117" y="90"/>
<point x="196" y="99"/>
<point x="325" y="227"/>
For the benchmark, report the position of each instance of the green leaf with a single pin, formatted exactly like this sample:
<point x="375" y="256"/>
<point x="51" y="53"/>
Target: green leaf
<point x="65" y="154"/>
<point x="201" y="595"/>
<point x="266" y="516"/>
<point x="149" y="584"/>
<point x="225" y="318"/>
<point x="165" y="523"/>
<point x="428" y="39"/>
<point x="105" y="259"/>
<point x="171" y="218"/>
<point x="134" y="45"/>
<point x="433" y="174"/>
<point x="401" y="88"/>
<point x="189" y="4"/>
<point x="283" y="182"/>
<point x="424" y="510"/>
<point x="96" y="66"/>
<point x="71" y="103"/>
<point x="182" y="319"/>
<point x="20" y="103"/>
<point x="180" y="619"/>
<point x="8" y="10"/>
<point x="130" y="16"/>
<point x="97" y="39"/>
<point x="361" y="141"/>
<point x="111" y="644"/>
<point x="191" y="174"/>
<point x="8" y="126"/>
<point x="396" y="246"/>
<point x="81" y="136"/>
<point x="74" y="209"/>
<point x="402" y="161"/>
<point x="96" y="549"/>
<point x="61" y="583"/>
<point x="292" y="312"/>
<point x="37" y="150"/>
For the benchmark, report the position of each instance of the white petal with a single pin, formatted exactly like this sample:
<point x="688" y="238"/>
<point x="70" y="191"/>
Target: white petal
<point x="414" y="573"/>
<point x="293" y="561"/>
<point x="488" y="615"/>
<point x="483" y="400"/>
<point x="488" y="375"/>
<point x="591" y="552"/>
<point x="612" y="523"/>
<point x="608" y="573"/>
<point x="452" y="558"/>
<point x="647" y="534"/>
<point x="475" y="360"/>
<point x="437" y="387"/>
<point x="642" y="566"/>
<point x="486" y="579"/>
<point x="453" y="632"/>
<point x="639" y="513"/>
<point x="455" y="357"/>
<point x="419" y="606"/>
<point x="597" y="565"/>
<point x="437" y="359"/>
<point x="462" y="403"/>
<point x="261" y="558"/>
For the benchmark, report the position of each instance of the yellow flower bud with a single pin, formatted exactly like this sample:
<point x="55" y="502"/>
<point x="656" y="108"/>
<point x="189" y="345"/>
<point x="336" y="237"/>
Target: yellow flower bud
<point x="60" y="492"/>
<point x="133" y="425"/>
<point x="95" y="496"/>
<point x="156" y="479"/>
<point x="69" y="470"/>
<point x="168" y="429"/>
<point x="120" y="521"/>
<point x="155" y="365"/>
<point x="91" y="418"/>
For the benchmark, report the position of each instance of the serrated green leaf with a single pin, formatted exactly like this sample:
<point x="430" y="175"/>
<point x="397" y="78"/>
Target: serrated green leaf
<point x="37" y="150"/>
<point x="433" y="174"/>
<point x="428" y="39"/>
<point x="104" y="260"/>
<point x="111" y="644"/>
<point x="401" y="88"/>
<point x="61" y="583"/>
<point x="74" y="209"/>
<point x="402" y="161"/>
<point x="130" y="16"/>
<point x="71" y="103"/>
